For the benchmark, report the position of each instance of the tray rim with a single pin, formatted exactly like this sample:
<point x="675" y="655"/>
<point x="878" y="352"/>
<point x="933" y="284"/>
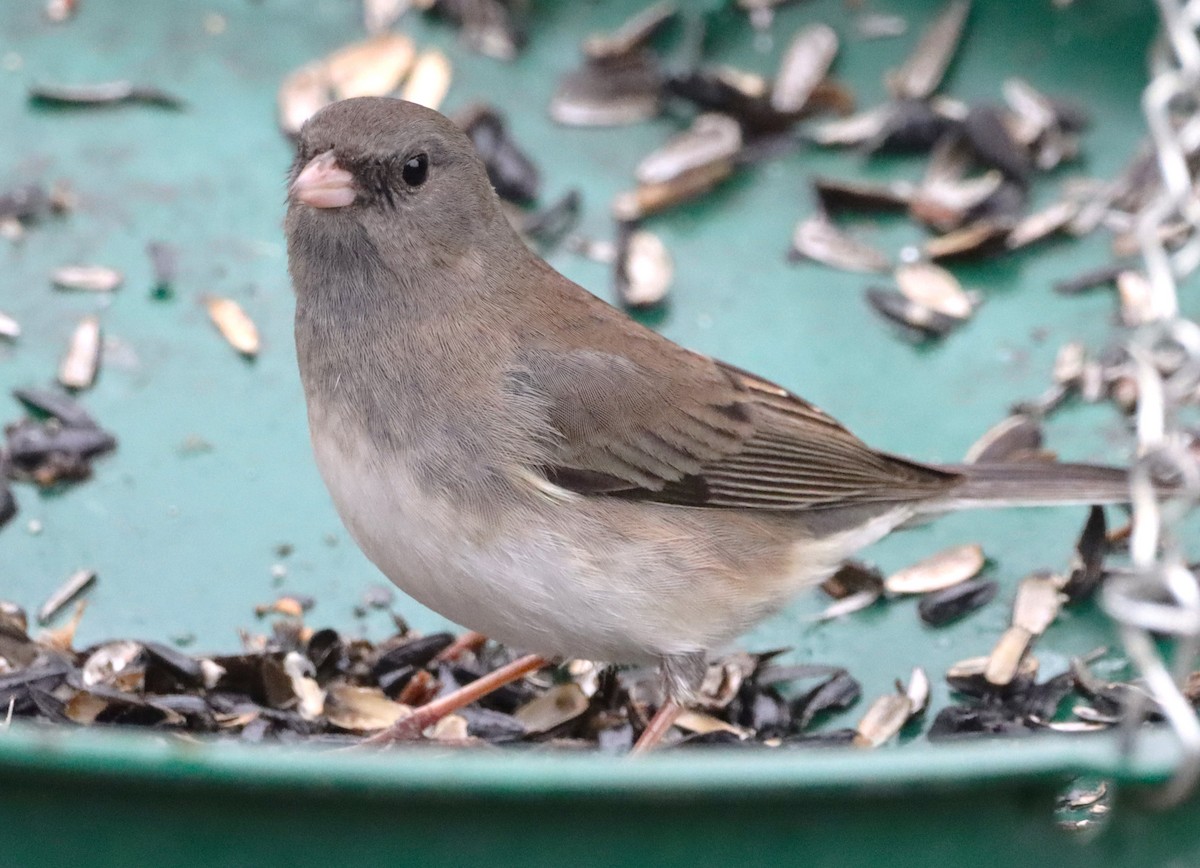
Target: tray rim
<point x="714" y="773"/>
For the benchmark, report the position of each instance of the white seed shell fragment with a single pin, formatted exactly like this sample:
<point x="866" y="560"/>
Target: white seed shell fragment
<point x="883" y="720"/>
<point x="853" y="130"/>
<point x="724" y="680"/>
<point x="922" y="71"/>
<point x="1017" y="436"/>
<point x="646" y="270"/>
<point x="820" y="240"/>
<point x="379" y="15"/>
<point x="556" y="706"/>
<point x="310" y="696"/>
<point x="12" y="229"/>
<point x="749" y="83"/>
<point x="75" y="584"/>
<point x="109" y="661"/>
<point x="587" y="674"/>
<point x="631" y="34"/>
<point x="597" y="250"/>
<point x="647" y="199"/>
<point x="79" y="365"/>
<point x="712" y="137"/>
<point x="945" y="569"/>
<point x="211" y="673"/>
<point x="970" y="239"/>
<point x="856" y="602"/>
<point x="935" y="288"/>
<point x="1038" y="602"/>
<point x="362" y="709"/>
<point x="804" y="66"/>
<point x="975" y="667"/>
<point x="1091" y="381"/>
<point x="1042" y="224"/>
<point x="1031" y="106"/>
<point x="234" y="324"/>
<point x="944" y="205"/>
<point x="373" y="67"/>
<point x="877" y="25"/>
<point x="90" y="278"/>
<point x="9" y="327"/>
<point x="303" y="93"/>
<point x="1092" y="715"/>
<point x="1077" y="726"/>
<point x="452" y="728"/>
<point x="1005" y="660"/>
<point x="596" y="97"/>
<point x="702" y="724"/>
<point x="1137" y="298"/>
<point x="918" y="690"/>
<point x="430" y="79"/>
<point x="1069" y="363"/>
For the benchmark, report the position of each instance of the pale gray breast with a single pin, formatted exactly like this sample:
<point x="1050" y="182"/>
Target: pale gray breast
<point x="433" y="391"/>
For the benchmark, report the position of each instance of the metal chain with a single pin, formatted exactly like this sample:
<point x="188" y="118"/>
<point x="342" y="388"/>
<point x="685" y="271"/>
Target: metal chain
<point x="1159" y="598"/>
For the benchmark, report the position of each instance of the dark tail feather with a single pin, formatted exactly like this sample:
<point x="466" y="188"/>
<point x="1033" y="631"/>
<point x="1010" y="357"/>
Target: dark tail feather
<point x="1034" y="484"/>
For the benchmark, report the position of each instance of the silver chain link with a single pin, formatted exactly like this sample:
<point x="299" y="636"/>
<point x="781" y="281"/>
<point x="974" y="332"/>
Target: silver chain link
<point x="1159" y="599"/>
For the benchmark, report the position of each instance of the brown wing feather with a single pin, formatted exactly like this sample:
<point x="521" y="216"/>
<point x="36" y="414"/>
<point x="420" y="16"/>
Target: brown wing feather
<point x="676" y="427"/>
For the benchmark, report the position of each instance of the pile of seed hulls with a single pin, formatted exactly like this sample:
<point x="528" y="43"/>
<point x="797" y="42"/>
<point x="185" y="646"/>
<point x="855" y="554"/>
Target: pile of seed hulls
<point x="1000" y="692"/>
<point x="982" y="161"/>
<point x="305" y="683"/>
<point x="299" y="683"/>
<point x="54" y="444"/>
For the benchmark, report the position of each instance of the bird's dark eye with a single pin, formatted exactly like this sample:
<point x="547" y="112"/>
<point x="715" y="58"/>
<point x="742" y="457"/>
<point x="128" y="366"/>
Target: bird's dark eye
<point x="415" y="170"/>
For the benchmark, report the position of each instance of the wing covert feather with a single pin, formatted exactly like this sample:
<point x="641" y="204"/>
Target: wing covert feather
<point x="696" y="432"/>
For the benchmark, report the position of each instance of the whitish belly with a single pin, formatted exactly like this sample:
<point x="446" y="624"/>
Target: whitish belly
<point x="673" y="587"/>
<point x="509" y="576"/>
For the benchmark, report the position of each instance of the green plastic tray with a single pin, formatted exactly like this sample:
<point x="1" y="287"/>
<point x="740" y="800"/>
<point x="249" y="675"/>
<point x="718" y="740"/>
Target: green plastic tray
<point x="214" y="472"/>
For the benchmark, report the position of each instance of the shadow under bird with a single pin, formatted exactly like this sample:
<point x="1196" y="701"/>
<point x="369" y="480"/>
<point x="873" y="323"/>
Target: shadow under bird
<point x="531" y="463"/>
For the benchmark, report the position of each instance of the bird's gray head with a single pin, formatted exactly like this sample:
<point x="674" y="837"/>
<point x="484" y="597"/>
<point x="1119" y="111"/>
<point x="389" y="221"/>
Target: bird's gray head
<point x="386" y="183"/>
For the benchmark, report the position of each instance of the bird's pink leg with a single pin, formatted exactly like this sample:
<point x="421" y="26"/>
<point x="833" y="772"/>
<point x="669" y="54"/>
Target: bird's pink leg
<point x="469" y="641"/>
<point x="658" y="726"/>
<point x="410" y="727"/>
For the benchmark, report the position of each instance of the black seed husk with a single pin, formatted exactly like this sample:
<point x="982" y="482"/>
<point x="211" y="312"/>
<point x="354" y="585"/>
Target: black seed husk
<point x="8" y="503"/>
<point x="165" y="665"/>
<point x="1105" y="276"/>
<point x="964" y="721"/>
<point x="492" y="726"/>
<point x="826" y="738"/>
<point x="942" y="607"/>
<point x="836" y="694"/>
<point x="984" y="129"/>
<point x="416" y="652"/>
<point x="912" y="127"/>
<point x="1088" y="568"/>
<point x="56" y="404"/>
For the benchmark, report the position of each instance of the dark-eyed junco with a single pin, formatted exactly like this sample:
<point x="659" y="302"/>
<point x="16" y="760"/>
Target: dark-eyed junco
<point x="528" y="461"/>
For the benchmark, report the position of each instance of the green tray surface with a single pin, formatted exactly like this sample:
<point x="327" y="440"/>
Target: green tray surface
<point x="184" y="540"/>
